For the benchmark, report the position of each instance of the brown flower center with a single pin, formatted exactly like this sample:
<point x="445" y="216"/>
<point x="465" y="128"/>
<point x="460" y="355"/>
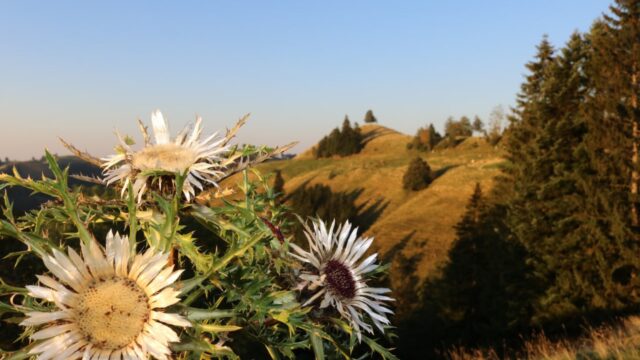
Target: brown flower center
<point x="340" y="280"/>
<point x="111" y="312"/>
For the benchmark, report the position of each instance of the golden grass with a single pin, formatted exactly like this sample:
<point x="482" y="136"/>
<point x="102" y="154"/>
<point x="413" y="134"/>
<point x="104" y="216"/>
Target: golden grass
<point x="615" y="342"/>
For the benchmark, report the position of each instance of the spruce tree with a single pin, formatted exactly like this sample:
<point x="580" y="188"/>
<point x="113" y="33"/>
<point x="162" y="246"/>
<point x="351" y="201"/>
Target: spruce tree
<point x="478" y="125"/>
<point x="417" y="176"/>
<point x="434" y="136"/>
<point x="581" y="255"/>
<point x="527" y="223"/>
<point x="465" y="127"/>
<point x="616" y="77"/>
<point x="369" y="117"/>
<point x="278" y="182"/>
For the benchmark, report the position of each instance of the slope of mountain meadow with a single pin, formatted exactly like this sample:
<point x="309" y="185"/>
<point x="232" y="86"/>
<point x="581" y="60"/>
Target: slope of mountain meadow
<point x="417" y="222"/>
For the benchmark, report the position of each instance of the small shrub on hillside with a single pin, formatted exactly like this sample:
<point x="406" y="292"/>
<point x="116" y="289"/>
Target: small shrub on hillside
<point x="369" y="117"/>
<point x="278" y="183"/>
<point x="418" y="175"/>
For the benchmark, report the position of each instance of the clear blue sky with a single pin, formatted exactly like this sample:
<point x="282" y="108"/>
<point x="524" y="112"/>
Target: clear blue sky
<point x="81" y="69"/>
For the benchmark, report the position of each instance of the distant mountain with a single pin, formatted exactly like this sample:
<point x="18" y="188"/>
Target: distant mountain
<point x="22" y="198"/>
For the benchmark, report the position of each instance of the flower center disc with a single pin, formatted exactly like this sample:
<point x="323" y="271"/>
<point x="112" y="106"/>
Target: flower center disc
<point x="112" y="312"/>
<point x="167" y="157"/>
<point x="339" y="279"/>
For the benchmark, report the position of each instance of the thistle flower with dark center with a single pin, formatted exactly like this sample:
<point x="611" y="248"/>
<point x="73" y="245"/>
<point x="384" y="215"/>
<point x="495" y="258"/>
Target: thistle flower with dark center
<point x="339" y="274"/>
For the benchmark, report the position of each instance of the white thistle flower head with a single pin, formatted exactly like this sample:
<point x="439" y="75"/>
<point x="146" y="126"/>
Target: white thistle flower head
<point x="106" y="307"/>
<point x="200" y="161"/>
<point x="339" y="274"/>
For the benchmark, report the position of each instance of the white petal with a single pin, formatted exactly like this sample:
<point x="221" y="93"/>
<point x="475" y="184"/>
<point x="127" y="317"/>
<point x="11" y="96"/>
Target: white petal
<point x="171" y="319"/>
<point x="71" y="278"/>
<point x="195" y="134"/>
<point x="38" y="317"/>
<point x="40" y="292"/>
<point x="159" y="330"/>
<point x="95" y="260"/>
<point x="166" y="297"/>
<point x="164" y="279"/>
<point x="160" y="128"/>
<point x="152" y="270"/>
<point x="80" y="265"/>
<point x="53" y="331"/>
<point x="71" y="352"/>
<point x="139" y="262"/>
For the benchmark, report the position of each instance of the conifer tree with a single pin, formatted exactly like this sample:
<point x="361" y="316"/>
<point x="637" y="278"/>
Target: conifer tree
<point x="555" y="141"/>
<point x="278" y="182"/>
<point x="465" y="127"/>
<point x="449" y="126"/>
<point x="478" y="125"/>
<point x="417" y="176"/>
<point x="369" y="117"/>
<point x="617" y="76"/>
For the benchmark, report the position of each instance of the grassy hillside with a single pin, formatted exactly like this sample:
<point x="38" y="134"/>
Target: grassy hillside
<point x="423" y="220"/>
<point x="618" y="341"/>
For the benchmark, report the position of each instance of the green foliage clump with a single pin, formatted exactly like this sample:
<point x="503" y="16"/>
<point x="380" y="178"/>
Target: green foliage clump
<point x="418" y="175"/>
<point x="342" y="142"/>
<point x="425" y="139"/>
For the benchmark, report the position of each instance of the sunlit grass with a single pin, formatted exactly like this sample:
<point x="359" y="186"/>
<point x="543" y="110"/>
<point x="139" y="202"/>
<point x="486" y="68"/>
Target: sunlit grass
<point x="425" y="219"/>
<point x="620" y="341"/>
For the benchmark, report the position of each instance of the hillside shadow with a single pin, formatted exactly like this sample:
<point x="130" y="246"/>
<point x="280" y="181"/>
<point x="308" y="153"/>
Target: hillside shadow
<point x="484" y="286"/>
<point x="443" y="170"/>
<point x="369" y="214"/>
<point x="375" y="134"/>
<point x="398" y="247"/>
<point x="321" y="201"/>
<point x="404" y="281"/>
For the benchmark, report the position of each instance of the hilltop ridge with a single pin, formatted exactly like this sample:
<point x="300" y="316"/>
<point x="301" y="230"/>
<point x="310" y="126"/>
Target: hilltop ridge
<point x="418" y="223"/>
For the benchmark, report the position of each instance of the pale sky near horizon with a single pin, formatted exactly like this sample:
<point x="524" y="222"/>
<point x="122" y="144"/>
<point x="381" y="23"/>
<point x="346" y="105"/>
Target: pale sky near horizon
<point x="79" y="70"/>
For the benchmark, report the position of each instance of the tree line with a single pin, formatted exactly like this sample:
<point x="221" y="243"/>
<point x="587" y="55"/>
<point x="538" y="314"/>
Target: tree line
<point x="556" y="243"/>
<point x="343" y="141"/>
